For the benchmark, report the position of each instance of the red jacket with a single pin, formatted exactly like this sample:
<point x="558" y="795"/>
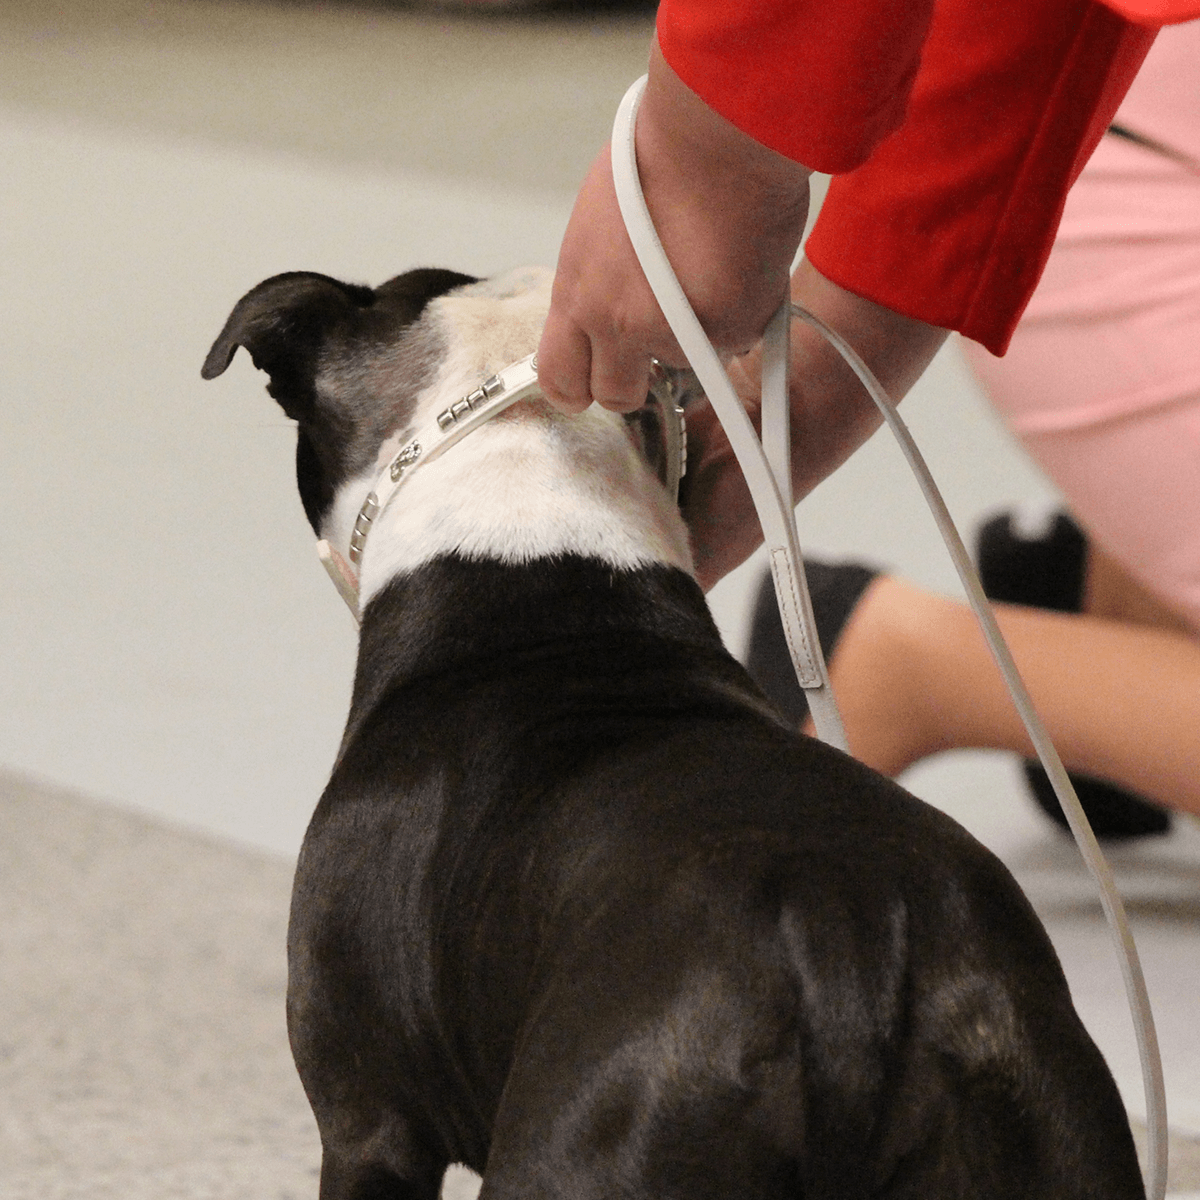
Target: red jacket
<point x="954" y="129"/>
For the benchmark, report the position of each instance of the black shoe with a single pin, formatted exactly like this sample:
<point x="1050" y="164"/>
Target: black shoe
<point x="835" y="590"/>
<point x="1047" y="571"/>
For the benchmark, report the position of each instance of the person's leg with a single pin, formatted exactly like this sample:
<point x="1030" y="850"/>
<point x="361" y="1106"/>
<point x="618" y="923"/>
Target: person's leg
<point x="1121" y="701"/>
<point x="1052" y="565"/>
<point x="1111" y="592"/>
<point x="1133" y="483"/>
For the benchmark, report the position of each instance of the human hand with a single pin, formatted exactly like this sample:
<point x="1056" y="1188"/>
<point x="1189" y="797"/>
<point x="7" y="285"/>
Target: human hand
<point x="730" y="214"/>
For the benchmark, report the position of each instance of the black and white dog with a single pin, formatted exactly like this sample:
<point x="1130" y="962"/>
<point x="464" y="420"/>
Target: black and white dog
<point x="577" y="908"/>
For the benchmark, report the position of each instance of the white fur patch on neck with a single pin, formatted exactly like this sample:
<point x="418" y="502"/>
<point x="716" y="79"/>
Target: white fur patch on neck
<point x="531" y="483"/>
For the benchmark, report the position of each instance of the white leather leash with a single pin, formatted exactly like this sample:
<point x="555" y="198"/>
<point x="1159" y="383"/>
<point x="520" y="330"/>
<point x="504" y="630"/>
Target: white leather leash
<point x="767" y="469"/>
<point x="499" y="392"/>
<point x="766" y="480"/>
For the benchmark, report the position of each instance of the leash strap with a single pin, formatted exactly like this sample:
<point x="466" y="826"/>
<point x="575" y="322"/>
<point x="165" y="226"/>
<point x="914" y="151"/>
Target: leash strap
<point x="767" y="468"/>
<point x="1110" y="898"/>
<point x="763" y="478"/>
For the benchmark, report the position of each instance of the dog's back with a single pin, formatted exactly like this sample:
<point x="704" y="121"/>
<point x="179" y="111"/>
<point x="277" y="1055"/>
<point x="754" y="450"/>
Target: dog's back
<point x="620" y="931"/>
<point x="579" y="910"/>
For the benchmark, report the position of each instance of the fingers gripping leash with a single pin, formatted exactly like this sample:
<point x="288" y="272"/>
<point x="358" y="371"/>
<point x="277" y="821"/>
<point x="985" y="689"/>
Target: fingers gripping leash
<point x="767" y="468"/>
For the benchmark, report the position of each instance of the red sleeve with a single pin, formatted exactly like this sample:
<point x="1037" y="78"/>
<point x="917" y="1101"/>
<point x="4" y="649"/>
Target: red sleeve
<point x="820" y="81"/>
<point x="953" y="216"/>
<point x="1157" y="12"/>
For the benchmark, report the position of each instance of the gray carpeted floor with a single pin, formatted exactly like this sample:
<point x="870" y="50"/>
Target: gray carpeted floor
<point x="142" y="1041"/>
<point x="143" y="1052"/>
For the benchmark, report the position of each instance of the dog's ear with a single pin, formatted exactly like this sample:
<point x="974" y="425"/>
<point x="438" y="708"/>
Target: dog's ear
<point x="295" y="324"/>
<point x="406" y="295"/>
<point x="283" y="322"/>
<point x="286" y="320"/>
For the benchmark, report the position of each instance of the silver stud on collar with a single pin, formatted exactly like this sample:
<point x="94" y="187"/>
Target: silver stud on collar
<point x="370" y="509"/>
<point x="405" y="459"/>
<point x="362" y="526"/>
<point x="486" y="391"/>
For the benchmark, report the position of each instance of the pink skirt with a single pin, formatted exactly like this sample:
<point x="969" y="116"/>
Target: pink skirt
<point x="1102" y="381"/>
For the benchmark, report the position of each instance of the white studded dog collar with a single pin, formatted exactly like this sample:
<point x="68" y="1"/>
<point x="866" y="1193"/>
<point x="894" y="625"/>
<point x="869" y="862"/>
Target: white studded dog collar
<point x="501" y="391"/>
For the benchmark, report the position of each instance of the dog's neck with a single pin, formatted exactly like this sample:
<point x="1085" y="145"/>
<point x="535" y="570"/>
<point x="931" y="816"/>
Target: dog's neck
<point x="453" y="616"/>
<point x="531" y="485"/>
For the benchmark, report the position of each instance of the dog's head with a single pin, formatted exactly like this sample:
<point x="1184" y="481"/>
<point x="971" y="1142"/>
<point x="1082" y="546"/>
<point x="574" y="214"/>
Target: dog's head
<point x="359" y="369"/>
<point x="344" y="363"/>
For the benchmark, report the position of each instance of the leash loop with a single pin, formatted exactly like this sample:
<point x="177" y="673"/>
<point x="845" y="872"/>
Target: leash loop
<point x="768" y="488"/>
<point x="1124" y="947"/>
<point x="767" y="468"/>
